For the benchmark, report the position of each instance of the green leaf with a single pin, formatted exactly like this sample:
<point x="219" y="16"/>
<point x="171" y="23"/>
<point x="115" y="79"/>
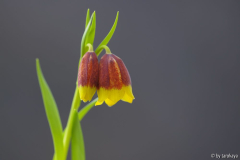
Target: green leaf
<point x="87" y="18"/>
<point x="91" y="34"/>
<point x="67" y="133"/>
<point x="52" y="113"/>
<point x="86" y="109"/>
<point x="84" y="37"/>
<point x="108" y="37"/>
<point x="78" y="149"/>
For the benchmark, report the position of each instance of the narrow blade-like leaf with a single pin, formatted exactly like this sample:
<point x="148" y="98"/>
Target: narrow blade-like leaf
<point x="108" y="37"/>
<point x="78" y="149"/>
<point x="91" y="34"/>
<point x="84" y="37"/>
<point x="51" y="112"/>
<point x="87" y="18"/>
<point x="86" y="109"/>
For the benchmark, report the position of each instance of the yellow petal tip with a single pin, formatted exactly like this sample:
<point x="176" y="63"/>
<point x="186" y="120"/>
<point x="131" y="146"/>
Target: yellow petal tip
<point x="86" y="93"/>
<point x="98" y="103"/>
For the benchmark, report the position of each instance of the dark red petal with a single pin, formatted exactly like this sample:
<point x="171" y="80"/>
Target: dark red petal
<point x="103" y="72"/>
<point x="126" y="80"/>
<point x="82" y="72"/>
<point x="88" y="70"/>
<point x="114" y="73"/>
<point x="93" y="70"/>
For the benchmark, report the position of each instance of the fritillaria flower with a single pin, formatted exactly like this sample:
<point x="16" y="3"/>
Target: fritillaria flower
<point x="88" y="76"/>
<point x="114" y="80"/>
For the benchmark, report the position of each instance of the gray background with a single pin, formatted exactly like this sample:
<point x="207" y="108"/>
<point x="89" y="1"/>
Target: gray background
<point x="183" y="58"/>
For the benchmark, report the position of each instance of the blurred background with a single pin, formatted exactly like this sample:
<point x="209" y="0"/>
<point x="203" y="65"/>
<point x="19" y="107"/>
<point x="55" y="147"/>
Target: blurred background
<point x="183" y="58"/>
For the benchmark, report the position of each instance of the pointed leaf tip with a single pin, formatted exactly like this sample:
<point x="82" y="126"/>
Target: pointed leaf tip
<point x="91" y="35"/>
<point x="51" y="112"/>
<point x="108" y="37"/>
<point x="87" y="17"/>
<point x="85" y="36"/>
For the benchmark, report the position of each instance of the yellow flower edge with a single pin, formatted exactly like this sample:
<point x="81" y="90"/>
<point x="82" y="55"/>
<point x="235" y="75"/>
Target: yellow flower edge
<point x="112" y="96"/>
<point x="86" y="93"/>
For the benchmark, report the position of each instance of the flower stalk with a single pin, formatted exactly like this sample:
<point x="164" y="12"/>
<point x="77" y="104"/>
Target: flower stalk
<point x="108" y="51"/>
<point x="86" y="85"/>
<point x="67" y="133"/>
<point x="90" y="47"/>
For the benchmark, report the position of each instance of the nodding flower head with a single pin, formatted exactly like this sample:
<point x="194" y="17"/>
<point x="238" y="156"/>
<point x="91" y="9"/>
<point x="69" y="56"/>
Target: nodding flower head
<point x="114" y="81"/>
<point x="88" y="76"/>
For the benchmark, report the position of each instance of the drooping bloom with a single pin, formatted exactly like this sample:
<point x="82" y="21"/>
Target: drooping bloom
<point x="88" y="76"/>
<point x="114" y="81"/>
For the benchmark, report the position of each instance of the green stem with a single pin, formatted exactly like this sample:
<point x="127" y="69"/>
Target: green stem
<point x="90" y="47"/>
<point x="68" y="131"/>
<point x="108" y="51"/>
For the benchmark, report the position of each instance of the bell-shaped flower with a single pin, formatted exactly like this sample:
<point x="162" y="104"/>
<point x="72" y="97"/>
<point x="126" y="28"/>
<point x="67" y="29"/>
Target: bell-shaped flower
<point x="88" y="76"/>
<point x="114" y="81"/>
